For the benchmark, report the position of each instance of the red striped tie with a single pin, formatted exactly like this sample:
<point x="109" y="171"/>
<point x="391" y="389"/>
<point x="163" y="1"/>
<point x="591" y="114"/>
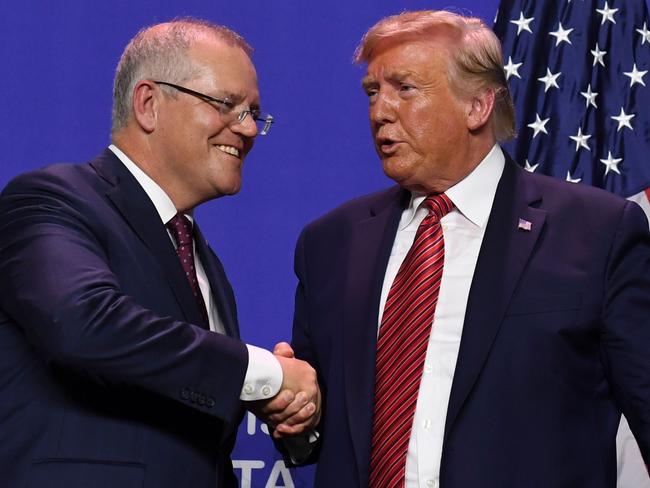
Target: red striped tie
<point x="402" y="346"/>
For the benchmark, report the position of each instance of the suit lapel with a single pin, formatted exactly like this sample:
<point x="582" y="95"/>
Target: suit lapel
<point x="221" y="291"/>
<point x="139" y="212"/>
<point x="370" y="245"/>
<point x="225" y="303"/>
<point x="504" y="253"/>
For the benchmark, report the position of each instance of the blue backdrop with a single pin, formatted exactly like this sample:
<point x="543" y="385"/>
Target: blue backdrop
<point x="56" y="100"/>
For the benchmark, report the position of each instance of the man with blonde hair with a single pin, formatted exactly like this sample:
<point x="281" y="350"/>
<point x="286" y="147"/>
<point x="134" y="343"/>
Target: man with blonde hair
<point x="121" y="361"/>
<point x="475" y="325"/>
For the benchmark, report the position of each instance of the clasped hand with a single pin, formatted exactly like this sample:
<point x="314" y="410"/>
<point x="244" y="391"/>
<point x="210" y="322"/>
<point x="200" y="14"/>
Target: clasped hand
<point x="296" y="408"/>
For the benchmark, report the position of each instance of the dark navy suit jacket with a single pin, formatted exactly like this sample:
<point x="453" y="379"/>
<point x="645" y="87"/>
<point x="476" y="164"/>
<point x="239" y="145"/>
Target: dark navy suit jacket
<point x="104" y="381"/>
<point x="555" y="344"/>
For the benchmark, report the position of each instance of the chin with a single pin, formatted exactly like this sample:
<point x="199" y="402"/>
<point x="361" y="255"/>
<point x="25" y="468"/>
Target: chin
<point x="396" y="170"/>
<point x="230" y="189"/>
<point x="224" y="181"/>
<point x="407" y="180"/>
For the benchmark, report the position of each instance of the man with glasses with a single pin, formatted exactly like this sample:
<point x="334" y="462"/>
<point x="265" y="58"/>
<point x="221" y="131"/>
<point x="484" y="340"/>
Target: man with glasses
<point x="122" y="364"/>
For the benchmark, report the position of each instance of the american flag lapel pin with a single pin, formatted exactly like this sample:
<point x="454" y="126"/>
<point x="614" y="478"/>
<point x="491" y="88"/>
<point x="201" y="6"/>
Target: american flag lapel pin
<point x="524" y="225"/>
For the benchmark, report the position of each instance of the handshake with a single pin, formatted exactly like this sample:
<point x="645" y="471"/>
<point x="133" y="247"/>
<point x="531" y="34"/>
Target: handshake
<point x="296" y="407"/>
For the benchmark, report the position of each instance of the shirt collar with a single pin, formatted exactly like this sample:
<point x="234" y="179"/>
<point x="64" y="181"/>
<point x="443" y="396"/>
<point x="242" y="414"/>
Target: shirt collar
<point x="473" y="195"/>
<point x="164" y="205"/>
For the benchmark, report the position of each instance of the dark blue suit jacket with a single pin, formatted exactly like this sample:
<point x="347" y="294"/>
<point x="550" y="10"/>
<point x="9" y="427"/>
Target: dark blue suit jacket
<point x="104" y="381"/>
<point x="555" y="344"/>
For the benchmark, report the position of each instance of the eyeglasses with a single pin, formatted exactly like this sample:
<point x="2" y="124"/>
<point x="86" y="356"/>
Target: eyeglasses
<point x="226" y="108"/>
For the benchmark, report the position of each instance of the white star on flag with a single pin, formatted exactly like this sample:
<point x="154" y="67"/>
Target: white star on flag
<point x="645" y="34"/>
<point x="538" y="126"/>
<point x="550" y="80"/>
<point x="635" y="75"/>
<point x="574" y="82"/>
<point x="581" y="139"/>
<point x="590" y="97"/>
<point x="611" y="164"/>
<point x="598" y="56"/>
<point x="530" y="167"/>
<point x="570" y="179"/>
<point x="561" y="34"/>
<point x="607" y="13"/>
<point x="512" y="69"/>
<point x="623" y="120"/>
<point x="523" y="24"/>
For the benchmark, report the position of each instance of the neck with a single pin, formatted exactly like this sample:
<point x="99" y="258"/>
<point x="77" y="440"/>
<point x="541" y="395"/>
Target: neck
<point x="140" y="152"/>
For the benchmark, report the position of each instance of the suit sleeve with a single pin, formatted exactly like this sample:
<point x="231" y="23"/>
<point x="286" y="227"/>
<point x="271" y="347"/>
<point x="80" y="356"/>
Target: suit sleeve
<point x="304" y="449"/>
<point x="300" y="340"/>
<point x="56" y="284"/>
<point x="626" y="318"/>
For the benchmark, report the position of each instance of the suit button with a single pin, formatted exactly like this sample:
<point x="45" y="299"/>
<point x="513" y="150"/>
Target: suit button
<point x="201" y="400"/>
<point x="185" y="393"/>
<point x="248" y="389"/>
<point x="210" y="402"/>
<point x="266" y="390"/>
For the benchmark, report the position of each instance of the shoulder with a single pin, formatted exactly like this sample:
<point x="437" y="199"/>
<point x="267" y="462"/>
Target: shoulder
<point x="67" y="193"/>
<point x="73" y="182"/>
<point x="358" y="209"/>
<point x="573" y="199"/>
<point x="581" y="212"/>
<point x="56" y="179"/>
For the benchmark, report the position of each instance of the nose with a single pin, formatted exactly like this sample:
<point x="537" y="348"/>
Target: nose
<point x="383" y="109"/>
<point x="247" y="127"/>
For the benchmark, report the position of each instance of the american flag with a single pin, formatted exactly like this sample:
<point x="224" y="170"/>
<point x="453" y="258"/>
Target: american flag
<point x="579" y="75"/>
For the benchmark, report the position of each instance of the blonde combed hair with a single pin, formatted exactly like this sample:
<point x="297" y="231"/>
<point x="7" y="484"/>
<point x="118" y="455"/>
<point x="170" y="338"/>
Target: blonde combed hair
<point x="477" y="62"/>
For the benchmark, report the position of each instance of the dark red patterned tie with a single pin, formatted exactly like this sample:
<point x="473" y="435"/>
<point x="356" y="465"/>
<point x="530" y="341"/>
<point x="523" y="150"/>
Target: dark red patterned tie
<point x="402" y="346"/>
<point x="181" y="229"/>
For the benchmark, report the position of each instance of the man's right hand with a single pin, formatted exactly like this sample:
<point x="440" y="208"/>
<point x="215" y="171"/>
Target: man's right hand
<point x="296" y="408"/>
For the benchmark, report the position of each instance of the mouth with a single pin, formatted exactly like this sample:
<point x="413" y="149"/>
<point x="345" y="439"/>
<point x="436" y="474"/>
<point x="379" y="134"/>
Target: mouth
<point x="232" y="150"/>
<point x="387" y="146"/>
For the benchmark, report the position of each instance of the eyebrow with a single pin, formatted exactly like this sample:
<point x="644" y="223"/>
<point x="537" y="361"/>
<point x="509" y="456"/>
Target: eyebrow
<point x="230" y="96"/>
<point x="368" y="81"/>
<point x="237" y="98"/>
<point x="393" y="76"/>
<point x="403" y="75"/>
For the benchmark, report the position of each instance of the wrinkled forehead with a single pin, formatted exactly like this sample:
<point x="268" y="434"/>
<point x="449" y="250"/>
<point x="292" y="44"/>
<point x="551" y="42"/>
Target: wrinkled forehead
<point x="439" y="37"/>
<point x="225" y="68"/>
<point x="408" y="55"/>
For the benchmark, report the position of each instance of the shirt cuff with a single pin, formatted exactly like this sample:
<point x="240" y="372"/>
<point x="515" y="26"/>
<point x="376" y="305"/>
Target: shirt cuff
<point x="263" y="375"/>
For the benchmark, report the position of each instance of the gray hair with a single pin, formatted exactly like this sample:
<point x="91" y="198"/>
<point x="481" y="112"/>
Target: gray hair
<point x="159" y="52"/>
<point x="477" y="63"/>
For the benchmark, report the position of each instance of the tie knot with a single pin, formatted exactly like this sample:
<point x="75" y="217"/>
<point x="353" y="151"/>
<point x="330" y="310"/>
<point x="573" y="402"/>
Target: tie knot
<point x="439" y="205"/>
<point x="181" y="229"/>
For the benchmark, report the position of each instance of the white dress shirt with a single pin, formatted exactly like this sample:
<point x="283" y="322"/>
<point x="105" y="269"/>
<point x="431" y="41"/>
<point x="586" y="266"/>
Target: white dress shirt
<point x="264" y="373"/>
<point x="463" y="230"/>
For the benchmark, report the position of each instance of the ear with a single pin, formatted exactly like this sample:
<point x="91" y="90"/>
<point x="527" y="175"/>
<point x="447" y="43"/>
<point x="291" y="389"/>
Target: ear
<point x="145" y="105"/>
<point x="480" y="109"/>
